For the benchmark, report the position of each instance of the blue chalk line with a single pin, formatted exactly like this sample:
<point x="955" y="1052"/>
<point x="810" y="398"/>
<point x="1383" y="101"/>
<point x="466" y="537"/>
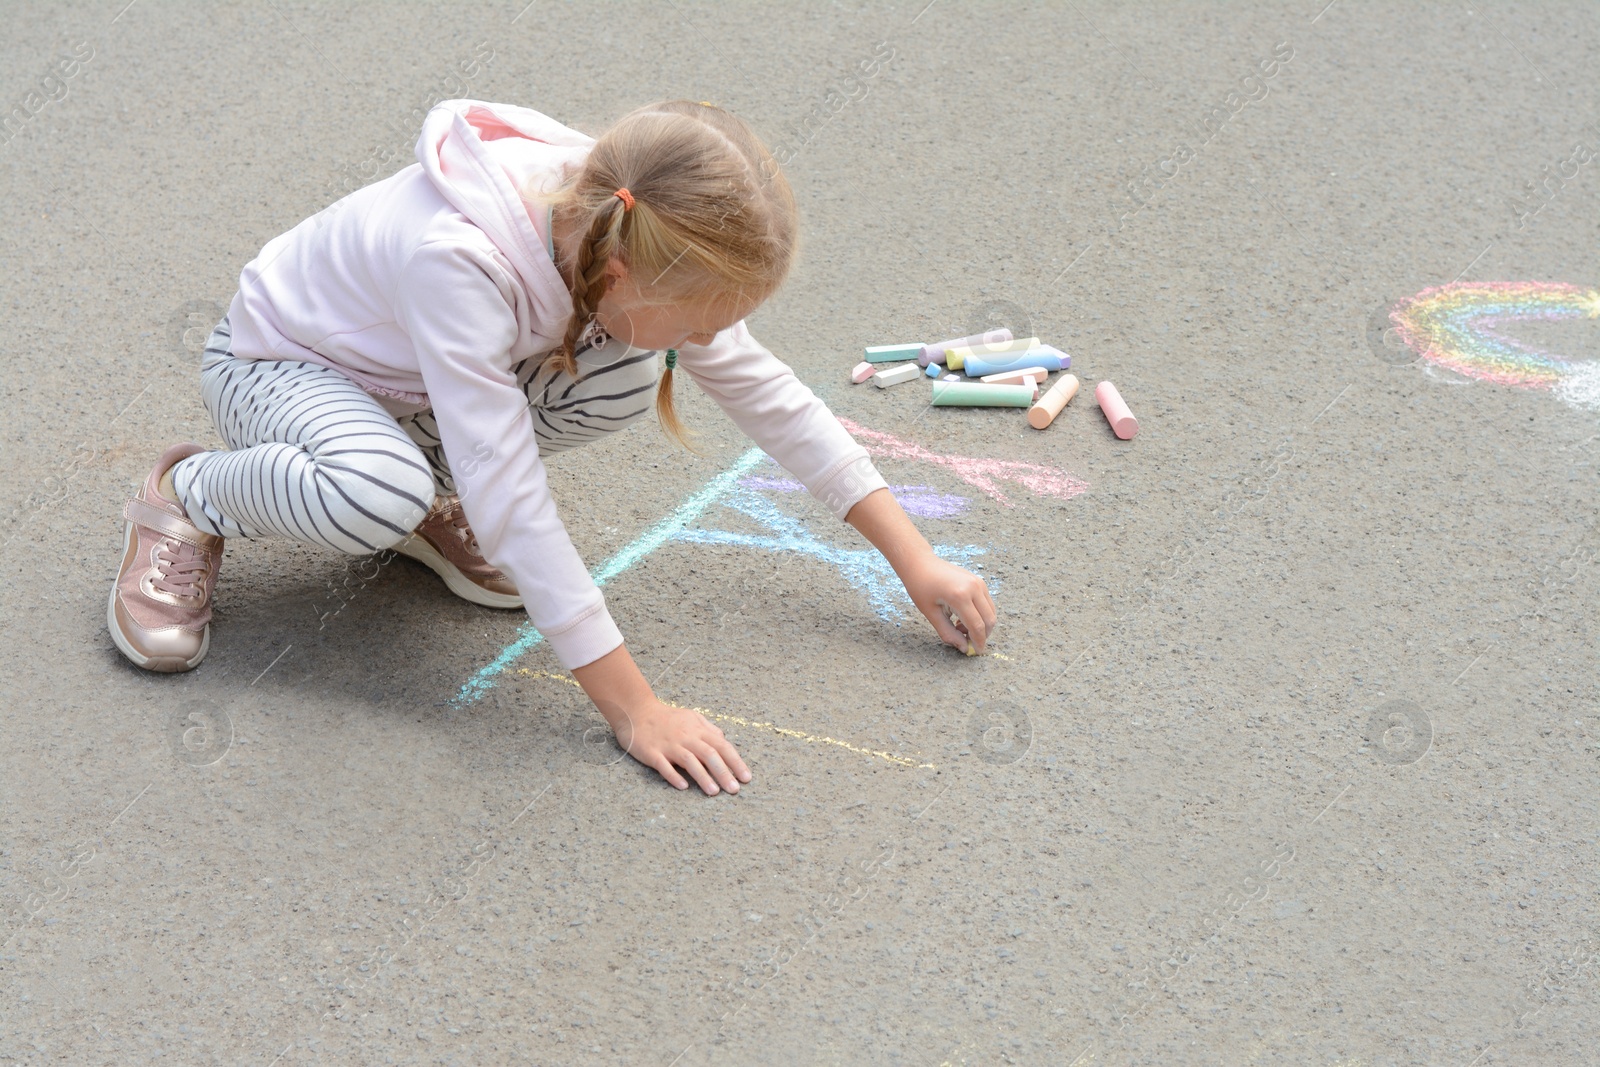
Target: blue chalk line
<point x="866" y="569"/>
<point x="480" y="683"/>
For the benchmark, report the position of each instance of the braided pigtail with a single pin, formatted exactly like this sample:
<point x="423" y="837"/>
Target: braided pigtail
<point x="667" y="411"/>
<point x="603" y="241"/>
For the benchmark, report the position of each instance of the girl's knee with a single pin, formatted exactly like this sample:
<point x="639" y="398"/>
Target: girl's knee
<point x="388" y="497"/>
<point x="602" y="400"/>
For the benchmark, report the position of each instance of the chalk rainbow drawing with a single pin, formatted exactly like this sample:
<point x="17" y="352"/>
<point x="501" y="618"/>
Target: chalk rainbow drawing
<point x="1458" y="327"/>
<point x="863" y="568"/>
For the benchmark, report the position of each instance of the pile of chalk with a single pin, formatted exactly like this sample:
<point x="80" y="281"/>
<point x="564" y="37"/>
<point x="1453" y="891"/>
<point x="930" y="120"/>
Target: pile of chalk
<point x="1000" y="372"/>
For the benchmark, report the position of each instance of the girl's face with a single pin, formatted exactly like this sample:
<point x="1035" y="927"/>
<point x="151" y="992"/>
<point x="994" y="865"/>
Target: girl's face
<point x="628" y="317"/>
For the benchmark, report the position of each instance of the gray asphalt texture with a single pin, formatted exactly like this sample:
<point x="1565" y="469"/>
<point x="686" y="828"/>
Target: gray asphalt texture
<point x="1291" y="756"/>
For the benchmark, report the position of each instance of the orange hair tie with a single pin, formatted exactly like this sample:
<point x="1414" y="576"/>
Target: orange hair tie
<point x="627" y="198"/>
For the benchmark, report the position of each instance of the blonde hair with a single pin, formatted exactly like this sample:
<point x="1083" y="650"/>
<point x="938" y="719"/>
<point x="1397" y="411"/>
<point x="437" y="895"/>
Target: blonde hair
<point x="713" y="219"/>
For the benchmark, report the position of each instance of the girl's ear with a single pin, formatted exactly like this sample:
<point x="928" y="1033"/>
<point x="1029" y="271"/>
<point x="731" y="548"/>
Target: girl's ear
<point x="616" y="275"/>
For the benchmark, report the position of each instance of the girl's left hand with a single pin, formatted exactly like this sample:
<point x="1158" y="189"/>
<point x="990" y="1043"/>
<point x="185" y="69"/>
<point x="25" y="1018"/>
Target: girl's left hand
<point x="938" y="588"/>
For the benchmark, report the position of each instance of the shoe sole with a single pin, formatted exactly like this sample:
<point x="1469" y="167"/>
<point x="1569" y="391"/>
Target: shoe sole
<point x="417" y="548"/>
<point x="162" y="664"/>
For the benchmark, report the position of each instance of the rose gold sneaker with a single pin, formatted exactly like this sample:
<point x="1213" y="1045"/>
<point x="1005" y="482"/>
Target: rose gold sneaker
<point x="445" y="542"/>
<point x="159" y="613"/>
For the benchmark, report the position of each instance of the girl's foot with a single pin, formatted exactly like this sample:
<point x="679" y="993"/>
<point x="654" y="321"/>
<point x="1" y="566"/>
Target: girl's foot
<point x="445" y="543"/>
<point x="159" y="613"/>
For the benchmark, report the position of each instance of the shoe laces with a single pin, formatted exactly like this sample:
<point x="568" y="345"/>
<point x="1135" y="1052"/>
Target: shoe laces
<point x="458" y="519"/>
<point x="181" y="568"/>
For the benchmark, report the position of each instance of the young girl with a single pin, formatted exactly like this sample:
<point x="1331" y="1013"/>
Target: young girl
<point x="395" y="367"/>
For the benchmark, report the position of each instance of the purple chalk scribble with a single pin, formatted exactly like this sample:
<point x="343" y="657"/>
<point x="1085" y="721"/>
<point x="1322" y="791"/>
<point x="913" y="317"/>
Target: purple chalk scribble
<point x="927" y="502"/>
<point x="923" y="501"/>
<point x="782" y="485"/>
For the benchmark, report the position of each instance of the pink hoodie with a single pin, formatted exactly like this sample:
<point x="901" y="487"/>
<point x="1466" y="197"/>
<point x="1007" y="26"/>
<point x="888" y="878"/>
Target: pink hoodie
<point x="427" y="287"/>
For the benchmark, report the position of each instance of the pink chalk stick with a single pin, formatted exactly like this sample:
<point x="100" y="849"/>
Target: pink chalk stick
<point x="1123" y="424"/>
<point x="862" y="372"/>
<point x="1014" y="377"/>
<point x="935" y="353"/>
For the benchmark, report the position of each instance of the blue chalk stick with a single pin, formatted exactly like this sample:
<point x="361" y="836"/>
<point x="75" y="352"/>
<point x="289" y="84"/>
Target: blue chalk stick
<point x="1010" y="361"/>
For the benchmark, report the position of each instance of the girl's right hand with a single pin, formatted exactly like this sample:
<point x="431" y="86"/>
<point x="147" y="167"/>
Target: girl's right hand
<point x="666" y="737"/>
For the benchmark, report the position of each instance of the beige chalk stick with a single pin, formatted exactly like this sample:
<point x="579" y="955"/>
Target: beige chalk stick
<point x="1044" y="412"/>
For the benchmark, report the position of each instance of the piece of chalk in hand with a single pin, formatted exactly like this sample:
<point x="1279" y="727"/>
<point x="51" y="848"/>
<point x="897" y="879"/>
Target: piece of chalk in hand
<point x="955" y="620"/>
<point x="862" y="372"/>
<point x="894" y="376"/>
<point x="1123" y="424"/>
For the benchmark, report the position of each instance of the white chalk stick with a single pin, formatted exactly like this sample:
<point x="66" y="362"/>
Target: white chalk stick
<point x="895" y="375"/>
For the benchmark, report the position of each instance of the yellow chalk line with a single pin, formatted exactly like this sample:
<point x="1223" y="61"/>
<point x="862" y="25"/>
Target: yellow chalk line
<point x="740" y="721"/>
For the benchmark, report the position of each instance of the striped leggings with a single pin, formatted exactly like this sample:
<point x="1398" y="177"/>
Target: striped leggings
<point x="313" y="457"/>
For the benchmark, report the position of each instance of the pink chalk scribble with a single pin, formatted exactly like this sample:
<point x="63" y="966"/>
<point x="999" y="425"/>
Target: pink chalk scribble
<point x="974" y="470"/>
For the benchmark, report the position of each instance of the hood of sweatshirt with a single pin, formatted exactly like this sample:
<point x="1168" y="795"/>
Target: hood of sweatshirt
<point x="478" y="155"/>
